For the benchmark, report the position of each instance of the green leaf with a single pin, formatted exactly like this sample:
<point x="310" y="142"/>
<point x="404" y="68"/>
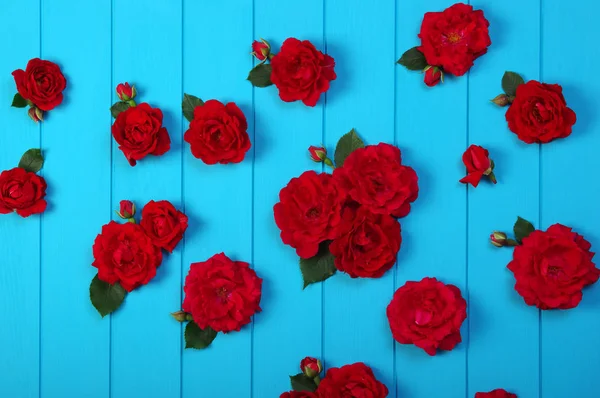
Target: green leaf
<point x="32" y="160"/>
<point x="302" y="382"/>
<point x="188" y="105"/>
<point x="318" y="268"/>
<point x="19" y="101"/>
<point x="106" y="297"/>
<point x="198" y="338"/>
<point x="118" y="107"/>
<point x="413" y="59"/>
<point x="522" y="228"/>
<point x="510" y="82"/>
<point x="260" y="75"/>
<point x="345" y="146"/>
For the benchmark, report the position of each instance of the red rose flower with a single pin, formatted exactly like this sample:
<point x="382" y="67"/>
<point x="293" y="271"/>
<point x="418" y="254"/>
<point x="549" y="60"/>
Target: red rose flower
<point x="368" y="243"/>
<point x="356" y="380"/>
<point x="139" y="132"/>
<point x="309" y="212"/>
<point x="298" y="394"/>
<point x="125" y="92"/>
<point x="217" y="134"/>
<point x="454" y="38"/>
<point x="428" y="314"/>
<point x="126" y="209"/>
<point x="123" y="253"/>
<point x="301" y="72"/>
<point x="498" y="393"/>
<point x="222" y="294"/>
<point x="22" y="191"/>
<point x="552" y="267"/>
<point x="42" y="83"/>
<point x="311" y="367"/>
<point x="478" y="163"/>
<point x="164" y="224"/>
<point x="261" y="49"/>
<point x="433" y="75"/>
<point x="374" y="177"/>
<point x="539" y="113"/>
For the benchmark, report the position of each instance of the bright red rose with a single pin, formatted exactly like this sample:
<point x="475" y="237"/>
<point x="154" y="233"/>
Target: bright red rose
<point x="126" y="209"/>
<point x="375" y="177"/>
<point x="164" y="224"/>
<point x="428" y="314"/>
<point x="22" y="191"/>
<point x="42" y="83"/>
<point x="454" y="38"/>
<point x="298" y="394"/>
<point x="356" y="380"/>
<point x="539" y="113"/>
<point x="222" y="294"/>
<point x="217" y="134"/>
<point x="309" y="212"/>
<point x="368" y="243"/>
<point x="497" y="393"/>
<point x="433" y="76"/>
<point x="123" y="253"/>
<point x="301" y="72"/>
<point x="552" y="267"/>
<point x="139" y="132"/>
<point x="478" y="163"/>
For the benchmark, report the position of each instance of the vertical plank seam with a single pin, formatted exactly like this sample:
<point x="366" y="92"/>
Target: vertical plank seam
<point x="467" y="293"/>
<point x="253" y="31"/>
<point x="395" y="121"/>
<point x="540" y="317"/>
<point x="181" y="330"/>
<point x="40" y="248"/>
<point x="110" y="319"/>
<point x="323" y="137"/>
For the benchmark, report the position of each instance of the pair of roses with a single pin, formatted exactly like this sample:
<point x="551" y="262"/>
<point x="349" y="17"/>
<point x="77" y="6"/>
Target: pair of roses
<point x="21" y="189"/>
<point x="346" y="220"/>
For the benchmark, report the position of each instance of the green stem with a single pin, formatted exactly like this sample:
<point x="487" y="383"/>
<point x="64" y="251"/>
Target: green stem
<point x="329" y="163"/>
<point x="131" y="103"/>
<point x="512" y="242"/>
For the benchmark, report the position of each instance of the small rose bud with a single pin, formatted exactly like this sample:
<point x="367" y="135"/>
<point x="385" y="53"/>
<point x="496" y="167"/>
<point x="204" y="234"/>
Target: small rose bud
<point x="36" y="114"/>
<point x="502" y="100"/>
<point x="311" y="367"/>
<point x="180" y="316"/>
<point x="498" y="239"/>
<point x="433" y="75"/>
<point x="126" y="209"/>
<point x="125" y="92"/>
<point x="261" y="49"/>
<point x="317" y="153"/>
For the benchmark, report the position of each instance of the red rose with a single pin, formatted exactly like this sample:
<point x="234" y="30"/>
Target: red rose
<point x="126" y="209"/>
<point x="123" y="253"/>
<point x="539" y="113"/>
<point x="301" y="72"/>
<point x="454" y="38"/>
<point x="428" y="314"/>
<point x="356" y="380"/>
<point x="552" y="267"/>
<point x="22" y="191"/>
<point x="222" y="294"/>
<point x="309" y="212"/>
<point x="217" y="134"/>
<point x="298" y="394"/>
<point x="498" y="393"/>
<point x="433" y="75"/>
<point x="164" y="224"/>
<point x="375" y="178"/>
<point x="317" y="153"/>
<point x="261" y="49"/>
<point x="42" y="83"/>
<point x="478" y="163"/>
<point x="368" y="244"/>
<point x="139" y="132"/>
<point x="311" y="367"/>
<point x="125" y="92"/>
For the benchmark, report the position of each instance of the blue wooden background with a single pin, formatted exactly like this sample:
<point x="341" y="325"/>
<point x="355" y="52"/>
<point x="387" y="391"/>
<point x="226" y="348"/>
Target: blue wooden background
<point x="53" y="344"/>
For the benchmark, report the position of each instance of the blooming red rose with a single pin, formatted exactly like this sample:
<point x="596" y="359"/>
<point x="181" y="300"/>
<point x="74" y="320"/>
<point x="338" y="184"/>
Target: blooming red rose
<point x="123" y="253"/>
<point x="309" y="212"/>
<point x="164" y="224"/>
<point x="22" y="191"/>
<point x="298" y="394"/>
<point x="261" y="49"/>
<point x="552" y="267"/>
<point x="222" y="294"/>
<point x="42" y="83"/>
<point x="478" y="163"/>
<point x="356" y="380"/>
<point x="454" y="38"/>
<point x="497" y="393"/>
<point x="368" y="243"/>
<point x="125" y="92"/>
<point x="428" y="314"/>
<point x="139" y="132"/>
<point x="539" y="113"/>
<point x="433" y="75"/>
<point x="301" y="72"/>
<point x="375" y="177"/>
<point x="217" y="133"/>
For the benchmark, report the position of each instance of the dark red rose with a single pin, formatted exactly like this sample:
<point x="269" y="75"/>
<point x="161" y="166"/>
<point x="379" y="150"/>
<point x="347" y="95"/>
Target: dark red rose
<point x="309" y="212"/>
<point x="123" y="253"/>
<point x="454" y="38"/>
<point x="356" y="380"/>
<point x="539" y="113"/>
<point x="375" y="177"/>
<point x="301" y="72"/>
<point x="22" y="191"/>
<point x="126" y="209"/>
<point x="478" y="163"/>
<point x="498" y="393"/>
<point x="139" y="132"/>
<point x="42" y="83"/>
<point x="298" y="394"/>
<point x="261" y="49"/>
<point x="125" y="92"/>
<point x="433" y="76"/>
<point x="428" y="314"/>
<point x="222" y="294"/>
<point x="311" y="367"/>
<point x="164" y="224"/>
<point x="368" y="243"/>
<point x="552" y="267"/>
<point x="218" y="133"/>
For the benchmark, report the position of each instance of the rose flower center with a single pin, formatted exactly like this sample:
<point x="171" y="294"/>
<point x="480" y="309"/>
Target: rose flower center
<point x="159" y="225"/>
<point x="15" y="190"/>
<point x="541" y="113"/>
<point x="312" y="212"/>
<point x="423" y="317"/>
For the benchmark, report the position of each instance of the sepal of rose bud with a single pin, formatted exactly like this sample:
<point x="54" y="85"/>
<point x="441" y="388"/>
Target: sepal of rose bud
<point x="180" y="316"/>
<point x="502" y="100"/>
<point x="317" y="153"/>
<point x="125" y="92"/>
<point x="311" y="367"/>
<point x="36" y="114"/>
<point x="261" y="49"/>
<point x="498" y="239"/>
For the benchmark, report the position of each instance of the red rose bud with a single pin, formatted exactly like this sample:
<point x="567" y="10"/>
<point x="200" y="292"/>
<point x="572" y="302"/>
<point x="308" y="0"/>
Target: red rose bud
<point x="433" y="75"/>
<point x="498" y="239"/>
<point x="125" y="92"/>
<point x="478" y="163"/>
<point x="261" y="49"/>
<point x="502" y="100"/>
<point x="126" y="209"/>
<point x="35" y="114"/>
<point x="317" y="153"/>
<point x="311" y="367"/>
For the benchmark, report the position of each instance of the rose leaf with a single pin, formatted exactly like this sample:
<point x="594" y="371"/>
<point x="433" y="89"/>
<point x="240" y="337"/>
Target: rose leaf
<point x="510" y="82"/>
<point x="302" y="382"/>
<point x="32" y="160"/>
<point x="345" y="146"/>
<point x="188" y="105"/>
<point x="318" y="268"/>
<point x="413" y="59"/>
<point x="260" y="75"/>
<point x="198" y="338"/>
<point x="106" y="297"/>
